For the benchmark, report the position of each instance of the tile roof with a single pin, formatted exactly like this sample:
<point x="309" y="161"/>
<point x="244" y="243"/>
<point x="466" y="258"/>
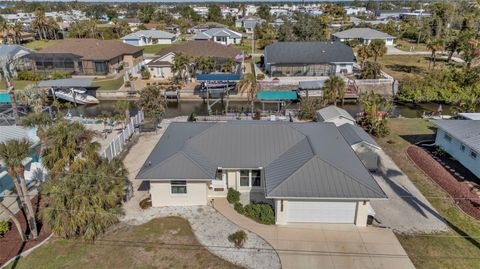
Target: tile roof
<point x="466" y="131"/>
<point x="92" y="49"/>
<point x="308" y="53"/>
<point x="302" y="160"/>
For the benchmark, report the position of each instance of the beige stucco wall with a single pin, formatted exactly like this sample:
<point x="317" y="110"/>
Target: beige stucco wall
<point x="162" y="196"/>
<point x="368" y="156"/>
<point x="362" y="213"/>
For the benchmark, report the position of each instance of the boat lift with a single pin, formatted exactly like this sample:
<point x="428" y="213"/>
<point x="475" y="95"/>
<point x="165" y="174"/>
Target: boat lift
<point x="65" y="84"/>
<point x="281" y="98"/>
<point x="218" y="84"/>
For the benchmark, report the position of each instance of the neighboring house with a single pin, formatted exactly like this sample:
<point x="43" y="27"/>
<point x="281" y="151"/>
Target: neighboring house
<point x="355" y="10"/>
<point x="306" y="170"/>
<point x="204" y="27"/>
<point x="460" y="139"/>
<point x="248" y="23"/>
<point x="160" y="67"/>
<point x="362" y="143"/>
<point x="390" y="14"/>
<point x="336" y="115"/>
<point x="87" y="57"/>
<point x="149" y="37"/>
<point x="310" y="59"/>
<point x="363" y="35"/>
<point x="222" y="36"/>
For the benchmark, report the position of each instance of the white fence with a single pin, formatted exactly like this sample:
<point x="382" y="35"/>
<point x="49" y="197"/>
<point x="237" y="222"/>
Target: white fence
<point x="118" y="144"/>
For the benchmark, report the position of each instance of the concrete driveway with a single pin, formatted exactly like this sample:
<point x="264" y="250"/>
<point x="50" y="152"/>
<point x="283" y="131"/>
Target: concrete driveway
<point x="326" y="245"/>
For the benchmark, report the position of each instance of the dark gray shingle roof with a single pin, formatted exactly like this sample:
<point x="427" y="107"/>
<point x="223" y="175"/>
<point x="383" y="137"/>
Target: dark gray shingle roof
<point x="308" y="53"/>
<point x="302" y="160"/>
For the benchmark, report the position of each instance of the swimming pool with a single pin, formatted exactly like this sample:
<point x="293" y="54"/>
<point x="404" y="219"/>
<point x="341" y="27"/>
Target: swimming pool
<point x="4" y="97"/>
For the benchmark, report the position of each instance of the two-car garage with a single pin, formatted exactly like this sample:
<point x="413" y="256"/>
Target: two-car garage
<point x="319" y="211"/>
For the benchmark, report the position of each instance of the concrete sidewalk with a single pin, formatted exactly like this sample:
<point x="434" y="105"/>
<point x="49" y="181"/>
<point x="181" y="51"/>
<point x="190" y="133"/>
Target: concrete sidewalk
<point x="325" y="245"/>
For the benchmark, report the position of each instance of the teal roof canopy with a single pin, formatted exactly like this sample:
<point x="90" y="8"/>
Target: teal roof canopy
<point x="277" y="95"/>
<point x="4" y="97"/>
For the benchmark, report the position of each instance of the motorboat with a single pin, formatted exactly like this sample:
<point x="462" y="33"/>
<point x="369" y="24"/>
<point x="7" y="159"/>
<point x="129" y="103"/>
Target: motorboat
<point x="75" y="95"/>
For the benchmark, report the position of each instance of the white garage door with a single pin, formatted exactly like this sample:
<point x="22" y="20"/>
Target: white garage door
<point x="324" y="212"/>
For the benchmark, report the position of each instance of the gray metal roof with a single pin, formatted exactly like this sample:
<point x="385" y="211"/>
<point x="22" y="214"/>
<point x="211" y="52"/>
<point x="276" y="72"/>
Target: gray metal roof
<point x="67" y="82"/>
<point x="11" y="132"/>
<point x="217" y="32"/>
<point x="470" y="116"/>
<point x="295" y="157"/>
<point x="364" y="33"/>
<point x="332" y="112"/>
<point x="308" y="53"/>
<point x="466" y="131"/>
<point x="354" y="135"/>
<point x="151" y="34"/>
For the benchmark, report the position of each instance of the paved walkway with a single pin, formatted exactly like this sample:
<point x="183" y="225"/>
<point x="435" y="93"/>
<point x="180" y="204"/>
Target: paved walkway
<point x="326" y="245"/>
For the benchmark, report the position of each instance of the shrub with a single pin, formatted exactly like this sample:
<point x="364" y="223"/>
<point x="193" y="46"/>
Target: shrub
<point x="308" y="109"/>
<point x="260" y="77"/>
<point x="145" y="74"/>
<point x="260" y="212"/>
<point x="239" y="208"/>
<point x="145" y="203"/>
<point x="60" y="75"/>
<point x="27" y="75"/>
<point x="238" y="238"/>
<point x="233" y="196"/>
<point x="4" y="227"/>
<point x="128" y="84"/>
<point x="192" y="117"/>
<point x="257" y="115"/>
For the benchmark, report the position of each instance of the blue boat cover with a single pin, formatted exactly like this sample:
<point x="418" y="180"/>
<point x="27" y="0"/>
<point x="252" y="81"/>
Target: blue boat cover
<point x="277" y="95"/>
<point x="218" y="77"/>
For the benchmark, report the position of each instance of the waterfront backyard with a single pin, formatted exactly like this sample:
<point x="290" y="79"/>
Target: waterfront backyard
<point x="460" y="246"/>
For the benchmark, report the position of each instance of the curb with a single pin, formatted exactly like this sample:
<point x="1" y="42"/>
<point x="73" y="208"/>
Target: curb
<point x="26" y="252"/>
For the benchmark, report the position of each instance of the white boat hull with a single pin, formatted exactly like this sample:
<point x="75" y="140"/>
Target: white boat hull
<point x="82" y="99"/>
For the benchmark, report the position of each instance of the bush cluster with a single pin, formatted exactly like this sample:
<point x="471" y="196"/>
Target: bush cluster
<point x="233" y="196"/>
<point x="239" y="208"/>
<point x="4" y="227"/>
<point x="260" y="77"/>
<point x="31" y="76"/>
<point x="238" y="238"/>
<point x="260" y="212"/>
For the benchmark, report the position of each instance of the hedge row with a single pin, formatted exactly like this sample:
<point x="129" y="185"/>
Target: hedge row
<point x="461" y="193"/>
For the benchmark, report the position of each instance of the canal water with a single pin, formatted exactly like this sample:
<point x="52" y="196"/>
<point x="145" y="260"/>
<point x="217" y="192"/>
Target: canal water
<point x="199" y="108"/>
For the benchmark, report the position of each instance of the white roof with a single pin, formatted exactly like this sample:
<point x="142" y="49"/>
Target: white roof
<point x="470" y="116"/>
<point x="18" y="132"/>
<point x="149" y="33"/>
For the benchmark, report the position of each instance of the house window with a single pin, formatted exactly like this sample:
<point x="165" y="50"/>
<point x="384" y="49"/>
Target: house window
<point x="447" y="137"/>
<point x="256" y="178"/>
<point x="178" y="187"/>
<point x="219" y="174"/>
<point x="473" y="154"/>
<point x="462" y="147"/>
<point x="101" y="68"/>
<point x="244" y="178"/>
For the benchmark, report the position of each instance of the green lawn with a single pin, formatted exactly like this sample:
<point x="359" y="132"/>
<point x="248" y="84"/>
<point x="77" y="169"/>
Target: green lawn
<point x="17" y="84"/>
<point x="153" y="49"/>
<point x="246" y="46"/>
<point x="432" y="251"/>
<point x="108" y="84"/>
<point x="161" y="243"/>
<point x="40" y="44"/>
<point x="407" y="45"/>
<point x="400" y="66"/>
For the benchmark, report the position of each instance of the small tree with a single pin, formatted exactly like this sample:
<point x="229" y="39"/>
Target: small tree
<point x="238" y="238"/>
<point x="334" y="89"/>
<point x="308" y="109"/>
<point x="152" y="102"/>
<point x="370" y="70"/>
<point x="375" y="110"/>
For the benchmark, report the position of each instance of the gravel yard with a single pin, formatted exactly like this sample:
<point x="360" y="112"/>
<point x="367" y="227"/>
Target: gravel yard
<point x="212" y="230"/>
<point x="406" y="210"/>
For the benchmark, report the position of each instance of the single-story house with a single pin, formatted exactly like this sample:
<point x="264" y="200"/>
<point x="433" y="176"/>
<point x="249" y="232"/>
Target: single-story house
<point x="460" y="139"/>
<point x="469" y="116"/>
<point x="249" y="23"/>
<point x="222" y="36"/>
<point x="160" y="67"/>
<point x="336" y="115"/>
<point x="306" y="170"/>
<point x="204" y="27"/>
<point x="362" y="143"/>
<point x="363" y="35"/>
<point x="87" y="57"/>
<point x="149" y="37"/>
<point x="308" y="59"/>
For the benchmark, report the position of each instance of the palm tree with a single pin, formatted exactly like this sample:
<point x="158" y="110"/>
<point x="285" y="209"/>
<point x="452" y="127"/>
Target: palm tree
<point x="377" y="48"/>
<point x="4" y="29"/>
<point x="228" y="65"/>
<point x="40" y="121"/>
<point x="152" y="102"/>
<point x="334" y="89"/>
<point x="16" y="31"/>
<point x="471" y="51"/>
<point x="364" y="53"/>
<point x="65" y="142"/>
<point x="40" y="24"/>
<point x="249" y="85"/>
<point x="181" y="63"/>
<point x="434" y="45"/>
<point x="123" y="108"/>
<point x="13" y="152"/>
<point x="10" y="214"/>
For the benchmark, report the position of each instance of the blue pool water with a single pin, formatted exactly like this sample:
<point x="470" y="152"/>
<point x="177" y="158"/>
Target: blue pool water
<point x="4" y="97"/>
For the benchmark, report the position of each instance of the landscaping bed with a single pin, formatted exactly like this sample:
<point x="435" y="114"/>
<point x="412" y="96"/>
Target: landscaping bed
<point x="459" y="191"/>
<point x="11" y="243"/>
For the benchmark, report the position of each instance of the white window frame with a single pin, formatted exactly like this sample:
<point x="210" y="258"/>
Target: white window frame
<point x="178" y="184"/>
<point x="250" y="179"/>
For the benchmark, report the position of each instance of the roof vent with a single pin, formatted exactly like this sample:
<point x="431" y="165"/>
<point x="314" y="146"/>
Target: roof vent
<point x="323" y="51"/>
